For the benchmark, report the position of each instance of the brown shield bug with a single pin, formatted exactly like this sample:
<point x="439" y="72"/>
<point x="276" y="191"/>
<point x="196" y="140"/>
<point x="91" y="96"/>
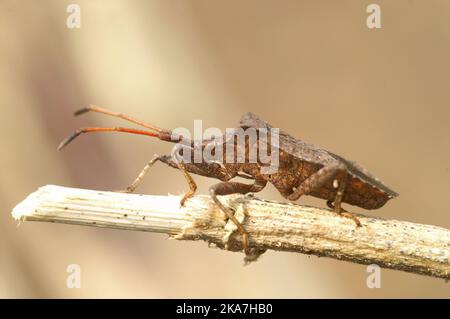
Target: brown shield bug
<point x="302" y="169"/>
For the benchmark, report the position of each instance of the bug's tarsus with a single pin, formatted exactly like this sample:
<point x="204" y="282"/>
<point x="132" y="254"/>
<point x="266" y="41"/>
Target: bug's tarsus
<point x="342" y="212"/>
<point x="351" y="216"/>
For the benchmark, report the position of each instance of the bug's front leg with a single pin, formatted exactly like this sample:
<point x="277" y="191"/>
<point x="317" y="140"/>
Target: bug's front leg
<point x="180" y="165"/>
<point x="227" y="188"/>
<point x="141" y="175"/>
<point x="338" y="174"/>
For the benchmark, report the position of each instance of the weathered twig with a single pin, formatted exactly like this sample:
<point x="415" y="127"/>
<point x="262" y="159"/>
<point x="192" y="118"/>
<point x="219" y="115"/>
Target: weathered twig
<point x="416" y="248"/>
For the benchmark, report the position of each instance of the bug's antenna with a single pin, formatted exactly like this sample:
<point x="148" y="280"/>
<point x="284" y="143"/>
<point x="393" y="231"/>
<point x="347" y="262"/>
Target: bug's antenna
<point x="97" y="109"/>
<point x="162" y="134"/>
<point x="80" y="131"/>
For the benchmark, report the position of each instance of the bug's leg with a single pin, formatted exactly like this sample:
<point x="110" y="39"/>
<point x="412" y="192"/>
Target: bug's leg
<point x="141" y="175"/>
<point x="319" y="179"/>
<point x="336" y="206"/>
<point x="178" y="160"/>
<point x="181" y="166"/>
<point x="344" y="213"/>
<point x="316" y="180"/>
<point x="190" y="181"/>
<point x="227" y="188"/>
<point x="331" y="205"/>
<point x="341" y="180"/>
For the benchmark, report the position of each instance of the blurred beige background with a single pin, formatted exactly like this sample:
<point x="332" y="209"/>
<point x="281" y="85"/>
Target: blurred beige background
<point x="313" y="68"/>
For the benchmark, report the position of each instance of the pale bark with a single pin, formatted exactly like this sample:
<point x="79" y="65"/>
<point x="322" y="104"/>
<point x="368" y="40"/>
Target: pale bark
<point x="416" y="248"/>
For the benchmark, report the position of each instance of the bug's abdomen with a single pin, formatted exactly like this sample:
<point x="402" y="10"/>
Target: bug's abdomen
<point x="364" y="195"/>
<point x="356" y="193"/>
<point x="286" y="178"/>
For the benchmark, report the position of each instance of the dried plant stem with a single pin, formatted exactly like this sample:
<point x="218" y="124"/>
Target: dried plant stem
<point x="415" y="248"/>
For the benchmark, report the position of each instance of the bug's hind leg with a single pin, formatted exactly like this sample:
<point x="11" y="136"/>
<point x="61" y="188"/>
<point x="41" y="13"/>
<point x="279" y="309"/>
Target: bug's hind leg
<point x="335" y="172"/>
<point x="226" y="188"/>
<point x="344" y="213"/>
<point x="336" y="206"/>
<point x="317" y="180"/>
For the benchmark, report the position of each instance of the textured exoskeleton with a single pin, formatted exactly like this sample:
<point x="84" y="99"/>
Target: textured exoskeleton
<point x="303" y="169"/>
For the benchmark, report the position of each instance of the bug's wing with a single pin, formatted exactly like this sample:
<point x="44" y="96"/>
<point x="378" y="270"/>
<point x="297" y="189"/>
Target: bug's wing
<point x="252" y="120"/>
<point x="287" y="143"/>
<point x="363" y="174"/>
<point x="314" y="154"/>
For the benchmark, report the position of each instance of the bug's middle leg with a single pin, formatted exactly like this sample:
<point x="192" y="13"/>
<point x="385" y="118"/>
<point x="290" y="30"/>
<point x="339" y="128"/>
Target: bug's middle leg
<point x="227" y="188"/>
<point x="190" y="181"/>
